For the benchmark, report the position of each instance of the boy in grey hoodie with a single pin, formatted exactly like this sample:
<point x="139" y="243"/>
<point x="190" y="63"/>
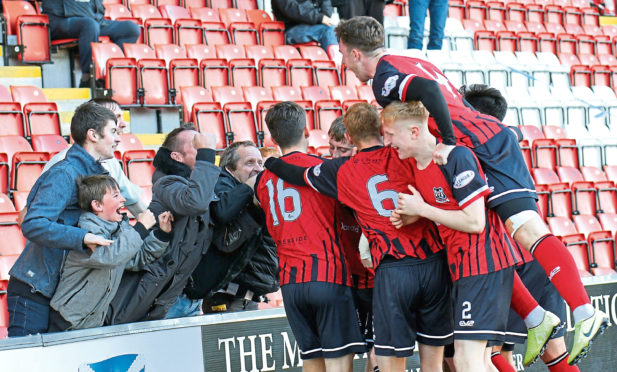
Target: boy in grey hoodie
<point x="89" y="280"/>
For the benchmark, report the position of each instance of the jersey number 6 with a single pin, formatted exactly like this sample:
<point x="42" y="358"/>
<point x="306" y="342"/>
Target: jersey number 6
<point x="378" y="197"/>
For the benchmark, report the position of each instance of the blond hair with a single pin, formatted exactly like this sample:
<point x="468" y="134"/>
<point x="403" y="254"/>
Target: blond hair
<point x="397" y="111"/>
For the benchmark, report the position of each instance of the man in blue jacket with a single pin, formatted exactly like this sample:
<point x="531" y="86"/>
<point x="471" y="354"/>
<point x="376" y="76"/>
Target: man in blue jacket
<point x="50" y="224"/>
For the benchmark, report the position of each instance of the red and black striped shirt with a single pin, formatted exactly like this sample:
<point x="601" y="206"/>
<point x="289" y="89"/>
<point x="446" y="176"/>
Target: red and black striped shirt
<point x="455" y="186"/>
<point x="392" y="81"/>
<point x="369" y="183"/>
<point x="305" y="226"/>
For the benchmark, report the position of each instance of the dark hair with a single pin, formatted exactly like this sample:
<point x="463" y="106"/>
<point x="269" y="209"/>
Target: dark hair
<point x="362" y="122"/>
<point x="363" y="33"/>
<point x="88" y="116"/>
<point x="106" y="102"/>
<point x="91" y="188"/>
<point x="286" y="122"/>
<point x="337" y="130"/>
<point x="485" y="99"/>
<point x="171" y="141"/>
<point x="230" y="157"/>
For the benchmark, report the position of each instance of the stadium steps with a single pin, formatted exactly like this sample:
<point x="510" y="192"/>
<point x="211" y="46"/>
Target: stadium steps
<point x="21" y="75"/>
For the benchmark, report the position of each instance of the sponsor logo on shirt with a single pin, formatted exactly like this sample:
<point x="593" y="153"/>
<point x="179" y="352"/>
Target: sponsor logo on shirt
<point x="389" y="85"/>
<point x="468" y="323"/>
<point x="463" y="179"/>
<point x="440" y="196"/>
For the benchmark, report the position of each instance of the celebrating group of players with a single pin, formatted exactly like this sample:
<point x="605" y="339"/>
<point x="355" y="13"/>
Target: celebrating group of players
<point x="445" y="206"/>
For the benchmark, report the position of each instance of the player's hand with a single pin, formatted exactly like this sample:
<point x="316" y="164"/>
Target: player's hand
<point x="92" y="241"/>
<point x="400" y="220"/>
<point x="147" y="219"/>
<point x="440" y="155"/>
<point x="410" y="204"/>
<point x="204" y="141"/>
<point x="327" y="21"/>
<point x="165" y="220"/>
<point x="367" y="262"/>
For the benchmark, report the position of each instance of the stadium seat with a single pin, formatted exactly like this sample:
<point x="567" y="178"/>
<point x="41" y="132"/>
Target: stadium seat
<point x="569" y="175"/>
<point x="7" y="261"/>
<point x="319" y="142"/>
<point x="119" y="73"/>
<point x="138" y="51"/>
<point x="138" y="166"/>
<point x="42" y="118"/>
<point x="153" y="82"/>
<point x="214" y="72"/>
<point x="270" y="32"/>
<point x="476" y="9"/>
<point x="26" y="167"/>
<point x="31" y="31"/>
<point x="553" y="131"/>
<point x="593" y="174"/>
<point x="205" y="14"/>
<point x="608" y="222"/>
<point x="246" y="4"/>
<point x="326" y="112"/>
<point x="52" y="143"/>
<point x="263" y="132"/>
<point x="544" y="153"/>
<point x="191" y="96"/>
<point x="567" y="151"/>
<point x="326" y="73"/>
<point x="129" y="141"/>
<point x="4" y="172"/>
<point x="26" y="94"/>
<point x="607" y="197"/>
<point x="256" y="94"/>
<point x="585" y="196"/>
<point x="226" y="94"/>
<point x="6" y="205"/>
<point x="241" y="121"/>
<point x="602" y="248"/>
<point x="157" y="30"/>
<point x="200" y="51"/>
<point x="218" y="4"/>
<point x="531" y="132"/>
<point x="586" y="224"/>
<point x="315" y="93"/>
<point x="494" y="26"/>
<point x="12" y="119"/>
<point x="286" y="93"/>
<point x="216" y="33"/>
<point x="210" y="118"/>
<point x="313" y="53"/>
<point x="343" y="93"/>
<point x="561" y="226"/>
<point x="579" y="249"/>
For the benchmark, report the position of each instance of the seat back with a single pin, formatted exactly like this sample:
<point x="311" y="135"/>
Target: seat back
<point x="14" y="9"/>
<point x="12" y="119"/>
<point x="210" y="118"/>
<point x="33" y="33"/>
<point x="153" y="81"/>
<point x="27" y="93"/>
<point x="52" y="143"/>
<point x="226" y="94"/>
<point x="168" y="52"/>
<point x="42" y="118"/>
<point x="13" y="242"/>
<point x="129" y="141"/>
<point x="214" y="72"/>
<point x="138" y="51"/>
<point x="191" y="96"/>
<point x="138" y="166"/>
<point x="26" y="169"/>
<point x="200" y="51"/>
<point x="205" y="14"/>
<point x="241" y="121"/>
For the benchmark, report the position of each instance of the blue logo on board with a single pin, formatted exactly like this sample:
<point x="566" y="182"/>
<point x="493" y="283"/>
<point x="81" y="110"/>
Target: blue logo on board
<point x="120" y="363"/>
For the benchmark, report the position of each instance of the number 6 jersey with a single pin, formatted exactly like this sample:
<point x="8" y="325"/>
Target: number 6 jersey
<point x="303" y="224"/>
<point x="369" y="183"/>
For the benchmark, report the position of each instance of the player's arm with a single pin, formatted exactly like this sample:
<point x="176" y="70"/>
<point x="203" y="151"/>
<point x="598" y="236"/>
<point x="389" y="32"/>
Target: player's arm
<point x="429" y="93"/>
<point x="321" y="177"/>
<point x="470" y="219"/>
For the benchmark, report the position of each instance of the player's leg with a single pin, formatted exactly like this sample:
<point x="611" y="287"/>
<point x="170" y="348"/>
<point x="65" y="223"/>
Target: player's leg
<point x="431" y="358"/>
<point x="469" y="355"/>
<point x="371" y="361"/>
<point x="513" y="198"/>
<point x="448" y="357"/>
<point x="314" y="365"/>
<point x="343" y="363"/>
<point x="391" y="363"/>
<point x="531" y="233"/>
<point x="488" y="363"/>
<point x="501" y="359"/>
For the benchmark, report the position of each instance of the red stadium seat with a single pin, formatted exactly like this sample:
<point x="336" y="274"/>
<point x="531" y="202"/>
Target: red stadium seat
<point x="485" y="40"/>
<point x="263" y="133"/>
<point x="7" y="261"/>
<point x="314" y="53"/>
<point x="527" y="41"/>
<point x="326" y="112"/>
<point x="315" y="94"/>
<point x="567" y="152"/>
<point x="286" y="93"/>
<point x="12" y="238"/>
<point x="51" y="143"/>
<point x="553" y="131"/>
<point x="153" y="82"/>
<point x="191" y="96"/>
<point x="326" y="73"/>
<point x="544" y="153"/>
<point x="26" y="167"/>
<point x="138" y="166"/>
<point x="26" y="94"/>
<point x="456" y="9"/>
<point x="310" y="113"/>
<point x="319" y="142"/>
<point x="31" y="30"/>
<point x="586" y="224"/>
<point x="585" y="195"/>
<point x="183" y="72"/>
<point x="12" y="119"/>
<point x="301" y="72"/>
<point x="218" y="4"/>
<point x="214" y="72"/>
<point x="4" y="170"/>
<point x="119" y="73"/>
<point x="256" y="94"/>
<point x="128" y="142"/>
<point x="42" y="118"/>
<point x="200" y="51"/>
<point x="205" y="14"/>
<point x="226" y="94"/>
<point x="476" y="9"/>
<point x="607" y="197"/>
<point x="241" y="121"/>
<point x="579" y="249"/>
<point x="569" y="175"/>
<point x="210" y="118"/>
<point x="216" y="33"/>
<point x="531" y="132"/>
<point x="6" y="205"/>
<point x="561" y="226"/>
<point x="608" y="222"/>
<point x="611" y="172"/>
<point x="602" y="247"/>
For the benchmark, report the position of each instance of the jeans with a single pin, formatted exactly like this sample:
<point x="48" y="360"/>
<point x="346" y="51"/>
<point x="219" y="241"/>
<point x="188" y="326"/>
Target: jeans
<point x="88" y="30"/>
<point x="184" y="307"/>
<point x="300" y="34"/>
<point x="438" y="12"/>
<point x="26" y="317"/>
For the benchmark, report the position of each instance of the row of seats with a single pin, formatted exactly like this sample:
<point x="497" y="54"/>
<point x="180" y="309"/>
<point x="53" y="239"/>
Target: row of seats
<point x="169" y="24"/>
<point x="215" y="4"/>
<point x="156" y="75"/>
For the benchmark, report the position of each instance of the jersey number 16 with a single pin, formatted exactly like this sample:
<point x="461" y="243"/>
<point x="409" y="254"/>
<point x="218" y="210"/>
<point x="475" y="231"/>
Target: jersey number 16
<point x="283" y="193"/>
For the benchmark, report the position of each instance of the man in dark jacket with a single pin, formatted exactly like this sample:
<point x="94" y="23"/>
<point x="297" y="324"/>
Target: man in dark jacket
<point x="85" y="20"/>
<point x="306" y="21"/>
<point x="184" y="182"/>
<point x="233" y="281"/>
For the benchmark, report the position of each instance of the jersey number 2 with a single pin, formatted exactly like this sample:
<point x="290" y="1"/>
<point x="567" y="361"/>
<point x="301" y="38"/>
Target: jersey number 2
<point x="283" y="193"/>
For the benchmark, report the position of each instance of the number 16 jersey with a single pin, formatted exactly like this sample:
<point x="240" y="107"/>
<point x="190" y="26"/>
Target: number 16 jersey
<point x="304" y="226"/>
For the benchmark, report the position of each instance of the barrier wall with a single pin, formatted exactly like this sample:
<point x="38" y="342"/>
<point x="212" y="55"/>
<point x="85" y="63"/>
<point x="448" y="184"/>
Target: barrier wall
<point x="255" y="341"/>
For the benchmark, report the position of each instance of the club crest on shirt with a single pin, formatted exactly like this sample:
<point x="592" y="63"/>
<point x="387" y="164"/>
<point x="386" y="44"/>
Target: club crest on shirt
<point x="317" y="170"/>
<point x="440" y="196"/>
<point x="463" y="179"/>
<point x="389" y="85"/>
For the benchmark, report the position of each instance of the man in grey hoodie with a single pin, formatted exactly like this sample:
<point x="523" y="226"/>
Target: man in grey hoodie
<point x="89" y="280"/>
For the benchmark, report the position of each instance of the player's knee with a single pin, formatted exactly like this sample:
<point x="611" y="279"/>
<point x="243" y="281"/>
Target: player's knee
<point x="527" y="227"/>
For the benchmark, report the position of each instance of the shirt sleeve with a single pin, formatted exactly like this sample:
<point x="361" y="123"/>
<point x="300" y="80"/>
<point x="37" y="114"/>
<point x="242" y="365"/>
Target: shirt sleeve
<point x="323" y="177"/>
<point x="466" y="179"/>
